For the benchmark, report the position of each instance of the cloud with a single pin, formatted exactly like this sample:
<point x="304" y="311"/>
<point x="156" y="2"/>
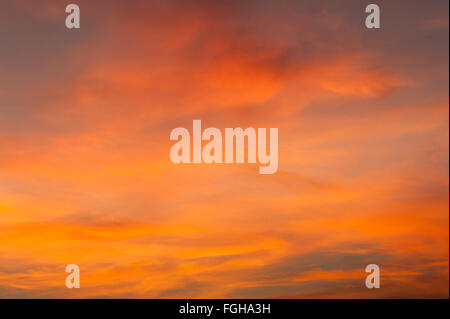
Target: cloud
<point x="85" y="119"/>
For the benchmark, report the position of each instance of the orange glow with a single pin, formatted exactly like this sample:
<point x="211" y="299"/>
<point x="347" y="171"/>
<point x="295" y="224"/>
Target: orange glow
<point x="85" y="177"/>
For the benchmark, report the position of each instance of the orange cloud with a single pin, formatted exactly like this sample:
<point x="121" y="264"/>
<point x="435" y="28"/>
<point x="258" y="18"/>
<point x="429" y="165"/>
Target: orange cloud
<point x="86" y="177"/>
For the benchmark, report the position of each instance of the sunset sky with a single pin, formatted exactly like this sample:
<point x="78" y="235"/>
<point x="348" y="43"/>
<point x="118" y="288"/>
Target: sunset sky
<point x="86" y="177"/>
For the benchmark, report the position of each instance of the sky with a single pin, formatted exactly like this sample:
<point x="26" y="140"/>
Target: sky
<point x="86" y="177"/>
